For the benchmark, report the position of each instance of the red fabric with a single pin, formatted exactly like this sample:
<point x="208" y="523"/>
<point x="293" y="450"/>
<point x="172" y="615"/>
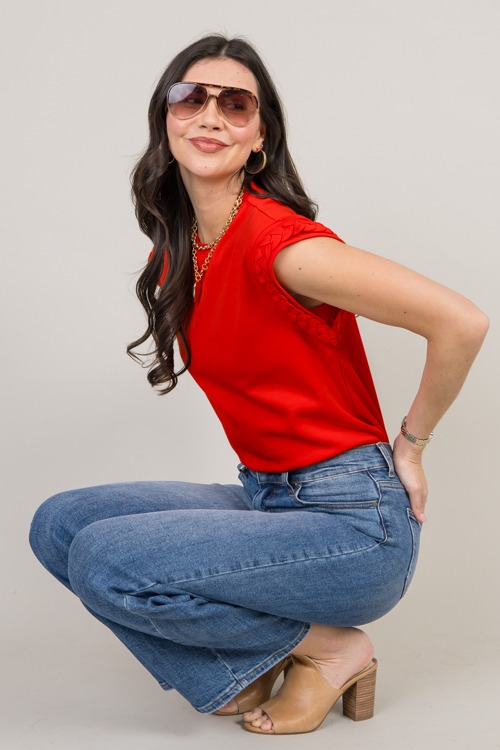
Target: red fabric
<point x="290" y="386"/>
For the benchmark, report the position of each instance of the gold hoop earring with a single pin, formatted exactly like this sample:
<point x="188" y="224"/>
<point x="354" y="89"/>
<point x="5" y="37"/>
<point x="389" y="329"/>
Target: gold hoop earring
<point x="263" y="165"/>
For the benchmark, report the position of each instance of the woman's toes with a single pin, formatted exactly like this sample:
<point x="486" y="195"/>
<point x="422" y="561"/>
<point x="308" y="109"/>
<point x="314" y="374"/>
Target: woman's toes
<point x="251" y="716"/>
<point x="257" y="718"/>
<point x="266" y="724"/>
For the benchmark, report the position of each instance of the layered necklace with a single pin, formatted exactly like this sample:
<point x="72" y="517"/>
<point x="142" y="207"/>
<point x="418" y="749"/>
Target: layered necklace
<point x="195" y="245"/>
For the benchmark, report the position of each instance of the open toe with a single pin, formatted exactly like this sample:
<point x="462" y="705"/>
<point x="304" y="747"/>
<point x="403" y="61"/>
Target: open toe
<point x="305" y="698"/>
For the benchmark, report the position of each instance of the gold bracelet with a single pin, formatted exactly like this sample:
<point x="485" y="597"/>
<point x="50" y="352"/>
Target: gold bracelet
<point x="412" y="438"/>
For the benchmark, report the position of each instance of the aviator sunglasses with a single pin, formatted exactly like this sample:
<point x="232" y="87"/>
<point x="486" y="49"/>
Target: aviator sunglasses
<point x="237" y="106"/>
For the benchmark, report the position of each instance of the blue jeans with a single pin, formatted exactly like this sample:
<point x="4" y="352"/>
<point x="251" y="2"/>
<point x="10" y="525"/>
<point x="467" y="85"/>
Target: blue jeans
<point x="210" y="585"/>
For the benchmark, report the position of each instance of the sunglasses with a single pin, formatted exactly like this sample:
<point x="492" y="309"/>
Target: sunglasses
<point x="237" y="106"/>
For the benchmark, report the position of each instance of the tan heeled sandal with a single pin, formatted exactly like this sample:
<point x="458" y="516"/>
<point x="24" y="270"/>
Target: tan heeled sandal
<point x="305" y="698"/>
<point x="258" y="691"/>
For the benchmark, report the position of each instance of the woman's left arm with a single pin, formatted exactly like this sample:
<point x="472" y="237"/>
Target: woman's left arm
<point x="325" y="270"/>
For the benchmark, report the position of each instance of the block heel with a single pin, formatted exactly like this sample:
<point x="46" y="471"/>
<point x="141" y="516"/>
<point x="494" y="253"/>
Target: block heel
<point x="358" y="701"/>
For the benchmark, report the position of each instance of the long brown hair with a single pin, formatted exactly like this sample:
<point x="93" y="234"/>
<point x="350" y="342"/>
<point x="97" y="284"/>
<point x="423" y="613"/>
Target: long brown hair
<point x="165" y="213"/>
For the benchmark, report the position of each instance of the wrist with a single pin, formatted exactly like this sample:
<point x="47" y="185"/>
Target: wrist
<point x="407" y="451"/>
<point x="421" y="442"/>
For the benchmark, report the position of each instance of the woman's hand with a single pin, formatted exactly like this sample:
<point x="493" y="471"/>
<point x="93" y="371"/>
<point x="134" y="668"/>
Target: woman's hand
<point x="408" y="465"/>
<point x="324" y="270"/>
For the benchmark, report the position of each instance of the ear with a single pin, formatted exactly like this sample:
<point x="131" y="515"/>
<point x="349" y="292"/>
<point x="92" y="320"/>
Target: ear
<point x="261" y="138"/>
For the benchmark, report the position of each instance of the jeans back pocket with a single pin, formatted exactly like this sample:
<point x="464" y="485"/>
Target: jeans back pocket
<point x="353" y="497"/>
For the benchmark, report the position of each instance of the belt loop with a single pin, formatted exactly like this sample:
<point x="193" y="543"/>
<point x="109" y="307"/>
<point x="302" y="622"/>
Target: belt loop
<point x="386" y="451"/>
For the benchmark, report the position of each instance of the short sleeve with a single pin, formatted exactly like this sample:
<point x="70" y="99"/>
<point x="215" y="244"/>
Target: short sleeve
<point x="325" y="321"/>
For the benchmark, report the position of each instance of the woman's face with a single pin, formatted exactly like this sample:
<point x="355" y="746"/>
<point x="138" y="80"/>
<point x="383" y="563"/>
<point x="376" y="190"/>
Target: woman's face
<point x="207" y="145"/>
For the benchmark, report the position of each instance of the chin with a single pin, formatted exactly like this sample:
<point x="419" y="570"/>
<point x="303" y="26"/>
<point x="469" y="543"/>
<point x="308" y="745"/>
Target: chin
<point x="209" y="171"/>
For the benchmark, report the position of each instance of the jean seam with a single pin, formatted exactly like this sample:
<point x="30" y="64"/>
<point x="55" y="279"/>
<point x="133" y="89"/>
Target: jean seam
<point x="276" y="564"/>
<point x="138" y="591"/>
<point x="379" y="485"/>
<point x="411" y="564"/>
<point x="275" y="657"/>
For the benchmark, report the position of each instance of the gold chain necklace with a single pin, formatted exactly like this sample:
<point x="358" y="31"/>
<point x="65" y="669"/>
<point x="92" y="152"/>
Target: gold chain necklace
<point x="198" y="272"/>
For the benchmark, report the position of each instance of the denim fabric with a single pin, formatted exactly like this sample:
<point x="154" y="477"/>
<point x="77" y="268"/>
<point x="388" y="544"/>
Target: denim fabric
<point x="210" y="585"/>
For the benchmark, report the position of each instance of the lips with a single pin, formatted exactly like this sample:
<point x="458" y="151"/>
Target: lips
<point x="208" y="145"/>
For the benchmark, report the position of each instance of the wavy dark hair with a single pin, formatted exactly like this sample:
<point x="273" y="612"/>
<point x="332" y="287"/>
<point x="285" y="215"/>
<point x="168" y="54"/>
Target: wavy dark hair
<point x="165" y="213"/>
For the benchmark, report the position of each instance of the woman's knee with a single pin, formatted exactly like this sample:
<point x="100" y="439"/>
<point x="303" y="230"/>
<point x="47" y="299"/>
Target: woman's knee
<point x="94" y="563"/>
<point x="54" y="525"/>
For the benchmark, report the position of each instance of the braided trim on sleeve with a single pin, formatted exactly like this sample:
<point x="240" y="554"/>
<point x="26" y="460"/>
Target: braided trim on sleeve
<point x="277" y="237"/>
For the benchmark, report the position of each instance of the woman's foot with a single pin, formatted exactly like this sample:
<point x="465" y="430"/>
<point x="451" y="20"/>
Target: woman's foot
<point x="339" y="653"/>
<point x="257" y="692"/>
<point x="229" y="709"/>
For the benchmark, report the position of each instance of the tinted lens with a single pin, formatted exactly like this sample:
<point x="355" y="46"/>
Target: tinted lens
<point x="238" y="107"/>
<point x="186" y="99"/>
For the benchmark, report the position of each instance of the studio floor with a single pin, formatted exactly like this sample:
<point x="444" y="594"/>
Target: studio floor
<point x="70" y="685"/>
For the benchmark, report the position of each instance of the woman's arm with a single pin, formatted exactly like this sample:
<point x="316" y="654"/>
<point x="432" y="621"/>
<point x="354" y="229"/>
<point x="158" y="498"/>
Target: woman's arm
<point x="325" y="270"/>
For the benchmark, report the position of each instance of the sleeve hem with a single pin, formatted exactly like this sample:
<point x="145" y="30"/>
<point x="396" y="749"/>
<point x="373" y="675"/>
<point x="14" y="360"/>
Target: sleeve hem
<point x="274" y="239"/>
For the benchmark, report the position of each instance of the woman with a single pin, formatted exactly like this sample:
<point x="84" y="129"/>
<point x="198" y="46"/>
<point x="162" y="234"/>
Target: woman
<point x="217" y="590"/>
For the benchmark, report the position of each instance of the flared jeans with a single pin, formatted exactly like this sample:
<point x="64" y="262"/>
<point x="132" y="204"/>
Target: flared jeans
<point x="209" y="586"/>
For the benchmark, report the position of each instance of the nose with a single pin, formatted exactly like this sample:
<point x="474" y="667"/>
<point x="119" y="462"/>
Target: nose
<point x="210" y="115"/>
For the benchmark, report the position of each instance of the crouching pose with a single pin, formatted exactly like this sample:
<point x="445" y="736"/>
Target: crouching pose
<point x="220" y="589"/>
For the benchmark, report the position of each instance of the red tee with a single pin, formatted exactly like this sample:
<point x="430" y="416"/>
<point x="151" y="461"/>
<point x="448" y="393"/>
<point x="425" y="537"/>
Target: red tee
<point x="290" y="386"/>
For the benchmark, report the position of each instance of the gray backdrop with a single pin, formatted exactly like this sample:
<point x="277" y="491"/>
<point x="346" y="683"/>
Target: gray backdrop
<point x="393" y="114"/>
